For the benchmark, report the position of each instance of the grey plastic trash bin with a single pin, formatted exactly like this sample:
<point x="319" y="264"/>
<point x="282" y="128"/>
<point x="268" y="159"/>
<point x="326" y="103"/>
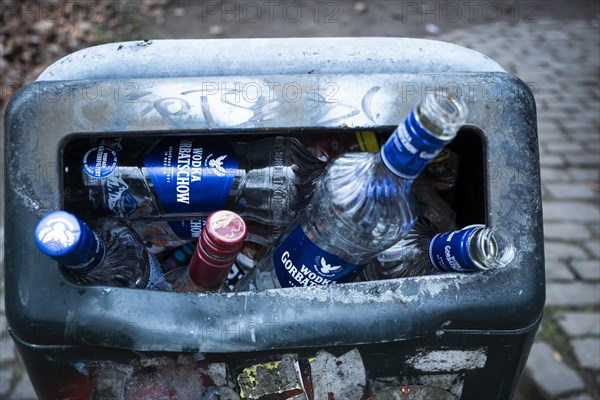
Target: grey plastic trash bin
<point x="466" y="336"/>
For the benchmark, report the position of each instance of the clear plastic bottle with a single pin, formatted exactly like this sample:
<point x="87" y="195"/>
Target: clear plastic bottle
<point x="362" y="204"/>
<point x="212" y="261"/>
<point x="423" y="252"/>
<point x="188" y="177"/>
<point x="111" y="254"/>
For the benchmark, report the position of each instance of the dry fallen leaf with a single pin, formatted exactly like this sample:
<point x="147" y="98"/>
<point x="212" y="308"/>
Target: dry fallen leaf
<point x="556" y="355"/>
<point x="30" y="40"/>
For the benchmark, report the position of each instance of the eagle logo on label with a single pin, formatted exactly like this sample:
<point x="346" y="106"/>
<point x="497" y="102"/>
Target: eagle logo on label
<point x="57" y="233"/>
<point x="326" y="268"/>
<point x="217" y="164"/>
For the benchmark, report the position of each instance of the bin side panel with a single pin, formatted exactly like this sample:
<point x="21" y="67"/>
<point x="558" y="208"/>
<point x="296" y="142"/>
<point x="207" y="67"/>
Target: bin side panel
<point x="466" y="365"/>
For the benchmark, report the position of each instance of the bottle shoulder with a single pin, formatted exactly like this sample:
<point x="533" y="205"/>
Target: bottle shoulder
<point x="361" y="203"/>
<point x="362" y="176"/>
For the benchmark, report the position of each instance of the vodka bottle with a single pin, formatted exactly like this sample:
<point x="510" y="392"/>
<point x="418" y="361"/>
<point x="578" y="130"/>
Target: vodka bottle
<point x="187" y="177"/>
<point x="111" y="254"/>
<point x="212" y="261"/>
<point x="362" y="204"/>
<point x="423" y="252"/>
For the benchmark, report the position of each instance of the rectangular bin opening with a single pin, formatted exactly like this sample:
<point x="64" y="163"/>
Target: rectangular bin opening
<point x="469" y="199"/>
<point x="465" y="196"/>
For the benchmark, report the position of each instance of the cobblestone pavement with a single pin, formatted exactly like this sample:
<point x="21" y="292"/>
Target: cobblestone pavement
<point x="560" y="60"/>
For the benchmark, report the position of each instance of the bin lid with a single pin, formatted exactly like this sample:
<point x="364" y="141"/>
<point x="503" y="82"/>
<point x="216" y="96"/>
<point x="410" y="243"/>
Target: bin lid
<point x="218" y="57"/>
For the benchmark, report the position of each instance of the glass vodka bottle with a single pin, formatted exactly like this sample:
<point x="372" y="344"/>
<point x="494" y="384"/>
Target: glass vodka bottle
<point x="423" y="252"/>
<point x="362" y="204"/>
<point x="188" y="177"/>
<point x="110" y="254"/>
<point x="214" y="256"/>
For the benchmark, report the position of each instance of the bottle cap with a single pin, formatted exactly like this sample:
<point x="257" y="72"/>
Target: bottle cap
<point x="224" y="234"/>
<point x="220" y="242"/>
<point x="67" y="239"/>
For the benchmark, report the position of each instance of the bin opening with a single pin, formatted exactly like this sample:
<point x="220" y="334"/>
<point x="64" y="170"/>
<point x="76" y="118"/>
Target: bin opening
<point x="469" y="200"/>
<point x="464" y="196"/>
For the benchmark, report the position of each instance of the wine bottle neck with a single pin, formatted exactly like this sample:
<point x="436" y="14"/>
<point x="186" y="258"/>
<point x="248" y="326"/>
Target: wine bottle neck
<point x="192" y="286"/>
<point x="220" y="242"/>
<point x="207" y="271"/>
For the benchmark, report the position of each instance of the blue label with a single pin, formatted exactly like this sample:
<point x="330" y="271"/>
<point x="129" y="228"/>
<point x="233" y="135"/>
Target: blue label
<point x="100" y="162"/>
<point x="410" y="148"/>
<point x="190" y="176"/>
<point x="126" y="205"/>
<point x="300" y="262"/>
<point x="449" y="251"/>
<point x="187" y="229"/>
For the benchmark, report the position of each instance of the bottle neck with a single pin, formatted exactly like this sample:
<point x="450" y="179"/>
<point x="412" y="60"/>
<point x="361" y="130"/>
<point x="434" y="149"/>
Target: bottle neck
<point x="220" y="242"/>
<point x="472" y="248"/>
<point x="410" y="148"/>
<point x="490" y="248"/>
<point x="92" y="258"/>
<point x="433" y="123"/>
<point x="441" y="114"/>
<point x="69" y="241"/>
<point x="191" y="286"/>
<point x="207" y="272"/>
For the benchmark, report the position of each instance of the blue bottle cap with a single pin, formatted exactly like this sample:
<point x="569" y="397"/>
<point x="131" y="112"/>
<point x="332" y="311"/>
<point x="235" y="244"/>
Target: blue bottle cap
<point x="68" y="240"/>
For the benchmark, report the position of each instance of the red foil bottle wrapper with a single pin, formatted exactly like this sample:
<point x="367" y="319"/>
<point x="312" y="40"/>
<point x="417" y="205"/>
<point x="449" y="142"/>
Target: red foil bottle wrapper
<point x="220" y="242"/>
